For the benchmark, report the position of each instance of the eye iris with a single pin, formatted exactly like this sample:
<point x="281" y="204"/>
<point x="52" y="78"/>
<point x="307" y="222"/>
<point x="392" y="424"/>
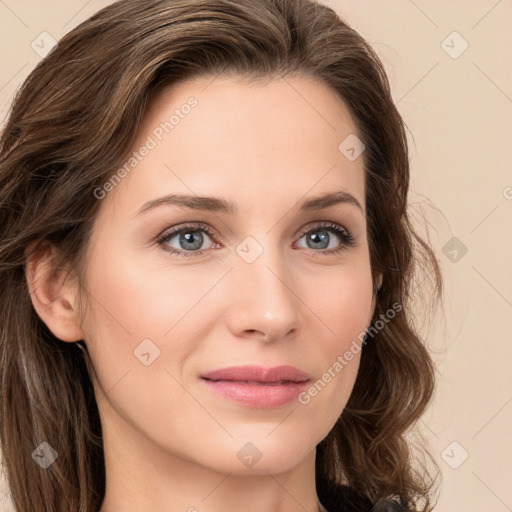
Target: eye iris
<point x="188" y="238"/>
<point x="319" y="236"/>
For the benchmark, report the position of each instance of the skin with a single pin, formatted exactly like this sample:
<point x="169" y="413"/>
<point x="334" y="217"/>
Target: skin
<point x="171" y="444"/>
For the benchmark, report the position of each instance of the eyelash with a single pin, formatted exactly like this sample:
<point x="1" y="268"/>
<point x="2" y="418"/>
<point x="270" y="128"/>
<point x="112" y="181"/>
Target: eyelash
<point x="347" y="240"/>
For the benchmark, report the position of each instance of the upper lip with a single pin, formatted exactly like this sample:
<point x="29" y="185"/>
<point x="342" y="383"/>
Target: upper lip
<point x="258" y="374"/>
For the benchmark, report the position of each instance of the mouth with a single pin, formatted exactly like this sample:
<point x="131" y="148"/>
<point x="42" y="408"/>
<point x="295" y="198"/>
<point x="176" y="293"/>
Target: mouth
<point x="257" y="386"/>
<point x="255" y="374"/>
<point x="256" y="394"/>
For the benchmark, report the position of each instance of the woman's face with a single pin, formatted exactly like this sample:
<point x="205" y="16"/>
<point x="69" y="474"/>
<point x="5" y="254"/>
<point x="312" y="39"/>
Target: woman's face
<point x="272" y="284"/>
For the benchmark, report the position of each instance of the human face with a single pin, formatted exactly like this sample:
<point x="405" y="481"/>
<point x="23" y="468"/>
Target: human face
<point x="270" y="270"/>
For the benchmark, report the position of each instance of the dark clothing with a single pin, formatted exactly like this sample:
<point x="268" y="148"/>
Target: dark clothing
<point x="345" y="499"/>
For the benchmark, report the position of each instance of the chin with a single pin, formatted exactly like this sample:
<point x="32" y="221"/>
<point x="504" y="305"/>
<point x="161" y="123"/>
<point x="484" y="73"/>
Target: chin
<point x="259" y="456"/>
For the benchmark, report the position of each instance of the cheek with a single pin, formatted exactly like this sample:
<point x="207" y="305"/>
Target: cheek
<point x="137" y="301"/>
<point x="139" y="338"/>
<point x="343" y="307"/>
<point x="131" y="311"/>
<point x="350" y="312"/>
<point x="342" y="302"/>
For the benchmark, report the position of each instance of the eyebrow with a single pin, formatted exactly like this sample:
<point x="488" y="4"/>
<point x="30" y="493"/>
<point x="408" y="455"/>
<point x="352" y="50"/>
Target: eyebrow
<point x="215" y="204"/>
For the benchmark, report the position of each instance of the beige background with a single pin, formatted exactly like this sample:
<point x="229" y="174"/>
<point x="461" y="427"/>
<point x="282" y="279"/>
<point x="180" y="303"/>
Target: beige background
<point x="459" y="112"/>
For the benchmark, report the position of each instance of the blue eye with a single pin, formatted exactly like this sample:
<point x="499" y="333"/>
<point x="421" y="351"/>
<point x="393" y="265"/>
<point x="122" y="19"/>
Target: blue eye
<point x="319" y="238"/>
<point x="191" y="239"/>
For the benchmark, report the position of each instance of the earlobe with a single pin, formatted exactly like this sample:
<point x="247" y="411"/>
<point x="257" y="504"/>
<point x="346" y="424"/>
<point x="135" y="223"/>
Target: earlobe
<point x="52" y="294"/>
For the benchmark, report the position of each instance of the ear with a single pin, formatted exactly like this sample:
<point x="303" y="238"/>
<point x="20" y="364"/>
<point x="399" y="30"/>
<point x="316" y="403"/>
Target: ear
<point x="52" y="295"/>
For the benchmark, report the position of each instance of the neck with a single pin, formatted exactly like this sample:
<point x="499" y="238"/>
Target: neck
<point x="142" y="476"/>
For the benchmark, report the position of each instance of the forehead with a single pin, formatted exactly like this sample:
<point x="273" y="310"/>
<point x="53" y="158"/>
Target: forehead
<point x="270" y="139"/>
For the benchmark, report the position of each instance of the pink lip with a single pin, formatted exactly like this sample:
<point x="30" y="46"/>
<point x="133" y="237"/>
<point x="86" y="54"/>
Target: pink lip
<point x="258" y="374"/>
<point x="256" y="386"/>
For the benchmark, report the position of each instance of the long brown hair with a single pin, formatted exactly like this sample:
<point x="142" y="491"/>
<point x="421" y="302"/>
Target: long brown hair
<point x="72" y="123"/>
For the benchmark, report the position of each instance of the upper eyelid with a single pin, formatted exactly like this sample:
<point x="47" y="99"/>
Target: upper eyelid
<point x="193" y="226"/>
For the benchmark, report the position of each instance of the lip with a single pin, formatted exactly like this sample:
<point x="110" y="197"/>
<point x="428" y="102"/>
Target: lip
<point x="257" y="386"/>
<point x="259" y="374"/>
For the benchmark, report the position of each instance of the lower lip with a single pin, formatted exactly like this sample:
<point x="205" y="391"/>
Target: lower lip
<point x="257" y="395"/>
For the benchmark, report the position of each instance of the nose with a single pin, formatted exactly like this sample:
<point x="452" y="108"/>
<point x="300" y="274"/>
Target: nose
<point x="264" y="301"/>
